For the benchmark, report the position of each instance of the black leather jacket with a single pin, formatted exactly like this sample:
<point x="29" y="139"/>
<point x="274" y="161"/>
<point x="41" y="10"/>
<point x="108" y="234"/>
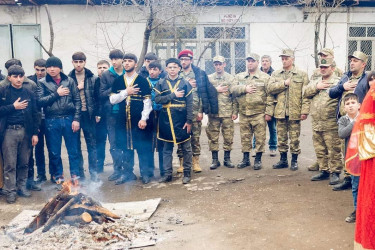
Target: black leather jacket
<point x="55" y="105"/>
<point x="106" y="82"/>
<point x="91" y="87"/>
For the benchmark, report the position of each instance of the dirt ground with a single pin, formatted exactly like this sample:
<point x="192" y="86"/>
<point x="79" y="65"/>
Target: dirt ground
<point x="232" y="208"/>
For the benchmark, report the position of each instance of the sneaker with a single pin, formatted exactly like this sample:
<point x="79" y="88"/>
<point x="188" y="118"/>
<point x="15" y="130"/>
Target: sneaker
<point x="33" y="186"/>
<point x="272" y="153"/>
<point x="11" y="197"/>
<point x="351" y="218"/>
<point x="23" y="192"/>
<point x="41" y="178"/>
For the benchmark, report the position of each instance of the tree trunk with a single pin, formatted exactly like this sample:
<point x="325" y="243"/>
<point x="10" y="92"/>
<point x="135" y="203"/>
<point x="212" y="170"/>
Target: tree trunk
<point x="316" y="39"/>
<point x="146" y="37"/>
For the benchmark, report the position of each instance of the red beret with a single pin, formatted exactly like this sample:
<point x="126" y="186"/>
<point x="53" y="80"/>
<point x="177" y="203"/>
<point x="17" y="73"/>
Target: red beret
<point x="186" y="52"/>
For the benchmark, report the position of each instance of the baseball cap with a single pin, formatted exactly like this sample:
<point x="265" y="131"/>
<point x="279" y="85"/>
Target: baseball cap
<point x="253" y="56"/>
<point x="218" y="59"/>
<point x="326" y="52"/>
<point x="359" y="55"/>
<point x="287" y="52"/>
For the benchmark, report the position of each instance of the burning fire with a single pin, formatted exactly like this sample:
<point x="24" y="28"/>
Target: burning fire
<point x="72" y="186"/>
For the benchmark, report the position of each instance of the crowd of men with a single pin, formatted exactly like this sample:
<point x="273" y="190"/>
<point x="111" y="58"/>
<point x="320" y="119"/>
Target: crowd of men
<point x="159" y="107"/>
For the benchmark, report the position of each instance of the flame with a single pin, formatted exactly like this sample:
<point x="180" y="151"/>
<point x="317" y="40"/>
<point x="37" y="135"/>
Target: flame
<point x="72" y="186"/>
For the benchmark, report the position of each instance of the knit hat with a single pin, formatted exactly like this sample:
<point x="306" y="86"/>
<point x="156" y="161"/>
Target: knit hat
<point x="54" y="62"/>
<point x="172" y="60"/>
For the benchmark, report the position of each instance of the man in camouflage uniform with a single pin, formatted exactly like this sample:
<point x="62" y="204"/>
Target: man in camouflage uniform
<point x="290" y="107"/>
<point x="228" y="110"/>
<point x="255" y="108"/>
<point x="325" y="137"/>
<point x="325" y="53"/>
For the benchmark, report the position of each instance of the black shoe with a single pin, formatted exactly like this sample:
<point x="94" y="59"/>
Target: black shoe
<point x="23" y="192"/>
<point x="334" y="179"/>
<point x="258" y="161"/>
<point x="294" y="163"/>
<point x="215" y="160"/>
<point x="32" y="185"/>
<point x="227" y="162"/>
<point x="283" y="163"/>
<point x="323" y="175"/>
<point x="351" y="218"/>
<point x="11" y="197"/>
<point x="146" y="179"/>
<point x="245" y="161"/>
<point x="126" y="178"/>
<point x="186" y="179"/>
<point x="345" y="184"/>
<point x="114" y="176"/>
<point x="166" y="178"/>
<point x="41" y="178"/>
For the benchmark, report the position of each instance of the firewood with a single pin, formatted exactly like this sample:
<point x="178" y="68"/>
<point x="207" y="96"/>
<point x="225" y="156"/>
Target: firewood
<point x="75" y="219"/>
<point x="97" y="209"/>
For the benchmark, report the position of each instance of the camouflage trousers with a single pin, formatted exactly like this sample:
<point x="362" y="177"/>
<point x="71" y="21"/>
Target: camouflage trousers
<point x="213" y="131"/>
<point x="196" y="129"/>
<point x="288" y="129"/>
<point x="249" y="125"/>
<point x="327" y="146"/>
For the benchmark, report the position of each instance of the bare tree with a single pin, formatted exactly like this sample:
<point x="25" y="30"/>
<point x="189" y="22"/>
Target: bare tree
<point x="51" y="32"/>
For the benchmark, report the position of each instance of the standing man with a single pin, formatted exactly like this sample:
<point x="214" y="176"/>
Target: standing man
<point x="228" y="110"/>
<point x="59" y="97"/>
<point x="204" y="101"/>
<point x="355" y="80"/>
<point x="101" y="127"/>
<point x="133" y="129"/>
<point x="111" y="111"/>
<point x="88" y="87"/>
<point x="255" y="107"/>
<point x="325" y="137"/>
<point x="19" y="115"/>
<point x="149" y="58"/>
<point x="291" y="107"/>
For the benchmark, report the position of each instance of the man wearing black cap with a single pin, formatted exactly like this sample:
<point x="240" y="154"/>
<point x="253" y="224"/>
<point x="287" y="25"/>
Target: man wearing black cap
<point x="59" y="97"/>
<point x="149" y="58"/>
<point x="19" y="129"/>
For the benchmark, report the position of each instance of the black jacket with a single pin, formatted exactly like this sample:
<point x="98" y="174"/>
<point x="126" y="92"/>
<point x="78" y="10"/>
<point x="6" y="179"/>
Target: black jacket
<point x="105" y="90"/>
<point x="33" y="78"/>
<point x="2" y="77"/>
<point x="91" y="89"/>
<point x="206" y="91"/>
<point x="338" y="90"/>
<point x="55" y="105"/>
<point x="144" y="73"/>
<point x="31" y="115"/>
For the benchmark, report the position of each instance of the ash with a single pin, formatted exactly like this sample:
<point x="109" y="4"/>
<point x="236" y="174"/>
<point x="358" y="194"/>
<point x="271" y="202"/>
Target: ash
<point x="124" y="233"/>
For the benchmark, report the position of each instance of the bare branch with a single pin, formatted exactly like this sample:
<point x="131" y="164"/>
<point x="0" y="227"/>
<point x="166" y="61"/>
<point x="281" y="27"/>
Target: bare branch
<point x="51" y="32"/>
<point x="41" y="45"/>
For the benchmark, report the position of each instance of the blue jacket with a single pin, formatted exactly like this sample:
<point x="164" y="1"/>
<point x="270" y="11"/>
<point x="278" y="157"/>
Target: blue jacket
<point x="360" y="90"/>
<point x="153" y="82"/>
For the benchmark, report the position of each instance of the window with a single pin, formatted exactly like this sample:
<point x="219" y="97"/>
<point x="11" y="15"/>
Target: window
<point x="206" y="41"/>
<point x="362" y="38"/>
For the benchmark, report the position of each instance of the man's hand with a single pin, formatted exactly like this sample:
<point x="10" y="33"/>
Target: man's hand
<point x="62" y="91"/>
<point x="222" y="89"/>
<point x="81" y="85"/>
<point x="287" y="82"/>
<point x="34" y="140"/>
<point x="193" y="82"/>
<point x="188" y="127"/>
<point x="179" y="93"/>
<point x="20" y="105"/>
<point x="350" y="85"/>
<point x="132" y="90"/>
<point x="250" y="89"/>
<point x="97" y="119"/>
<point x="234" y="117"/>
<point x="199" y="117"/>
<point x="267" y="118"/>
<point x="75" y="126"/>
<point x="142" y="124"/>
<point x="322" y="85"/>
<point x="303" y="117"/>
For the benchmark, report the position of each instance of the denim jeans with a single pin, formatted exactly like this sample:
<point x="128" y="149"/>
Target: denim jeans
<point x="355" y="183"/>
<point x="56" y="129"/>
<point x="39" y="154"/>
<point x="101" y="138"/>
<point x="272" y="143"/>
<point x="115" y="150"/>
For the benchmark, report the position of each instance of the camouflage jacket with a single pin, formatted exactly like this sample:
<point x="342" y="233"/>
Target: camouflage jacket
<point x="227" y="106"/>
<point x="259" y="102"/>
<point x="323" y="108"/>
<point x="289" y="99"/>
<point x="316" y="74"/>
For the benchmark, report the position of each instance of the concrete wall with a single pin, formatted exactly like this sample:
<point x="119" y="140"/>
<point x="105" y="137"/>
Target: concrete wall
<point x="87" y="29"/>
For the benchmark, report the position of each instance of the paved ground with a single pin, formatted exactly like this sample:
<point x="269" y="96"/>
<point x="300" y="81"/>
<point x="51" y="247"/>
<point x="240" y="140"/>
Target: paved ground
<point x="233" y="208"/>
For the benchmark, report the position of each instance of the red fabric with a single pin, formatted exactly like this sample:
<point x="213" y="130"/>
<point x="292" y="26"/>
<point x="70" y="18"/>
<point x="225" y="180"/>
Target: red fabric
<point x="57" y="81"/>
<point x="186" y="52"/>
<point x="365" y="221"/>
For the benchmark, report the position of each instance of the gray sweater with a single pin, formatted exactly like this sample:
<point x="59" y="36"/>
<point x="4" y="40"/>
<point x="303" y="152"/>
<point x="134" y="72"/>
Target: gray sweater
<point x="345" y="129"/>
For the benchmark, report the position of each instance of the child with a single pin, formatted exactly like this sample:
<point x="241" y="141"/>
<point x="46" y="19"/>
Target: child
<point x="154" y="70"/>
<point x="346" y="123"/>
<point x="176" y="117"/>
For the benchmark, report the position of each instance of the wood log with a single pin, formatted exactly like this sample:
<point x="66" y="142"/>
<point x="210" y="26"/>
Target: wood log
<point x="97" y="209"/>
<point x="61" y="212"/>
<point x="84" y="218"/>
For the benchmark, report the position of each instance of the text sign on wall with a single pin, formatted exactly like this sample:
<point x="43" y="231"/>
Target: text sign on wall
<point x="230" y="18"/>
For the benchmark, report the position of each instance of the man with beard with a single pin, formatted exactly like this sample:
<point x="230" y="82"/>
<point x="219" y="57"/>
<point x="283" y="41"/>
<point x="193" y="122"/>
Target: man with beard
<point x="133" y="128"/>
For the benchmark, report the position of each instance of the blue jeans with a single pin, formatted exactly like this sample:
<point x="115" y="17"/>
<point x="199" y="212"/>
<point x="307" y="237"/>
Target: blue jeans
<point x="272" y="143"/>
<point x="355" y="183"/>
<point x="56" y="128"/>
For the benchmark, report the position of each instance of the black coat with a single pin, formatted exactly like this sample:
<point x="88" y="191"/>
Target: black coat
<point x="55" y="105"/>
<point x="206" y="91"/>
<point x="91" y="89"/>
<point x="105" y="90"/>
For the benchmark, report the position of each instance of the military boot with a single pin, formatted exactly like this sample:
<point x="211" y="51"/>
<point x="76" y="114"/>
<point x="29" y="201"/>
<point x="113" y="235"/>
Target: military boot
<point x="187" y="177"/>
<point x="196" y="167"/>
<point x="258" y="161"/>
<point x="346" y="184"/>
<point x="181" y="168"/>
<point x="227" y="162"/>
<point x="294" y="163"/>
<point x="245" y="161"/>
<point x="215" y="160"/>
<point x="283" y="163"/>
